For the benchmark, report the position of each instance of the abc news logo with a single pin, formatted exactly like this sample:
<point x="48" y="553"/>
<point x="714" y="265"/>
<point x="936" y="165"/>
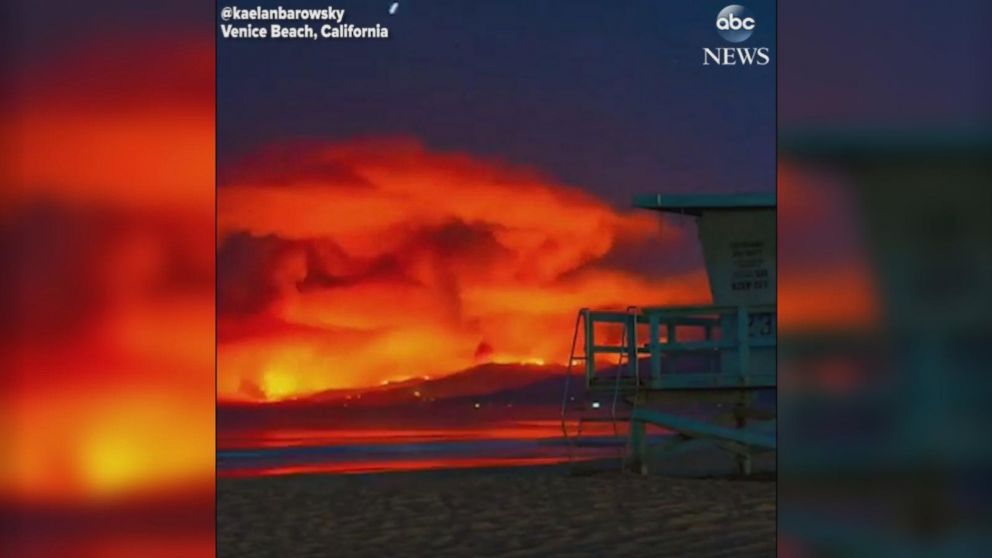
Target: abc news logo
<point x="736" y="24"/>
<point x="728" y="20"/>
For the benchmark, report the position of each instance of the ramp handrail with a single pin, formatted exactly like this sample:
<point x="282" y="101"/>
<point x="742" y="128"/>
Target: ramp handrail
<point x="568" y="382"/>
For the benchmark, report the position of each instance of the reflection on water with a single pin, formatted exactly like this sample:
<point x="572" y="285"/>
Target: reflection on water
<point x="263" y="452"/>
<point x="385" y="466"/>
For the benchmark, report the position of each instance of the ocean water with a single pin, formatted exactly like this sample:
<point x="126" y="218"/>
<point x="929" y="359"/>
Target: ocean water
<point x="255" y="443"/>
<point x="263" y="452"/>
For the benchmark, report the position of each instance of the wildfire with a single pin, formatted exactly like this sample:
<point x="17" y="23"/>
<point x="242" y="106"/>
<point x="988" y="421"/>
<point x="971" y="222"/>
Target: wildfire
<point x="343" y="263"/>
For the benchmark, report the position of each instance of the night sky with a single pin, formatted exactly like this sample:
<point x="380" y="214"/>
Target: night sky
<point x="608" y="97"/>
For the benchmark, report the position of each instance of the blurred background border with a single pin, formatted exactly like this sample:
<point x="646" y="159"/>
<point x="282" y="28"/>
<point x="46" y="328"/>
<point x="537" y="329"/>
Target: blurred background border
<point x="885" y="267"/>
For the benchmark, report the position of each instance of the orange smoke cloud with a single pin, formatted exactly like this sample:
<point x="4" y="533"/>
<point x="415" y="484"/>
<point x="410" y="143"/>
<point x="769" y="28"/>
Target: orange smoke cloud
<point x="380" y="259"/>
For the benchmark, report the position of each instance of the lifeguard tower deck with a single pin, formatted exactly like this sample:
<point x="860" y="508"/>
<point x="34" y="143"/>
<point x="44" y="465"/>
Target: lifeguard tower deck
<point x="652" y="359"/>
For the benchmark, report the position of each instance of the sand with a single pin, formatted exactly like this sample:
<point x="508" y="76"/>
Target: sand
<point x="510" y="512"/>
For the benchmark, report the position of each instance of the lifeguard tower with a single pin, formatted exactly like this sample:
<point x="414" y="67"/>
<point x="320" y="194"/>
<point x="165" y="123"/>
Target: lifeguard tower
<point x="647" y="361"/>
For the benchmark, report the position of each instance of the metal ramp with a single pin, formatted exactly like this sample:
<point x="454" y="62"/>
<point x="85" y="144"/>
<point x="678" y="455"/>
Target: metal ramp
<point x="669" y="356"/>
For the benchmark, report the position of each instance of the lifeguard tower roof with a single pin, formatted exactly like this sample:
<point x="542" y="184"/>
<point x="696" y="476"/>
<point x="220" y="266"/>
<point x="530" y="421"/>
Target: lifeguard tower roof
<point x="695" y="204"/>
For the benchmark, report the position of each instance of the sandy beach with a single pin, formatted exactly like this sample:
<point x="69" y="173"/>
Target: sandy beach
<point x="540" y="511"/>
